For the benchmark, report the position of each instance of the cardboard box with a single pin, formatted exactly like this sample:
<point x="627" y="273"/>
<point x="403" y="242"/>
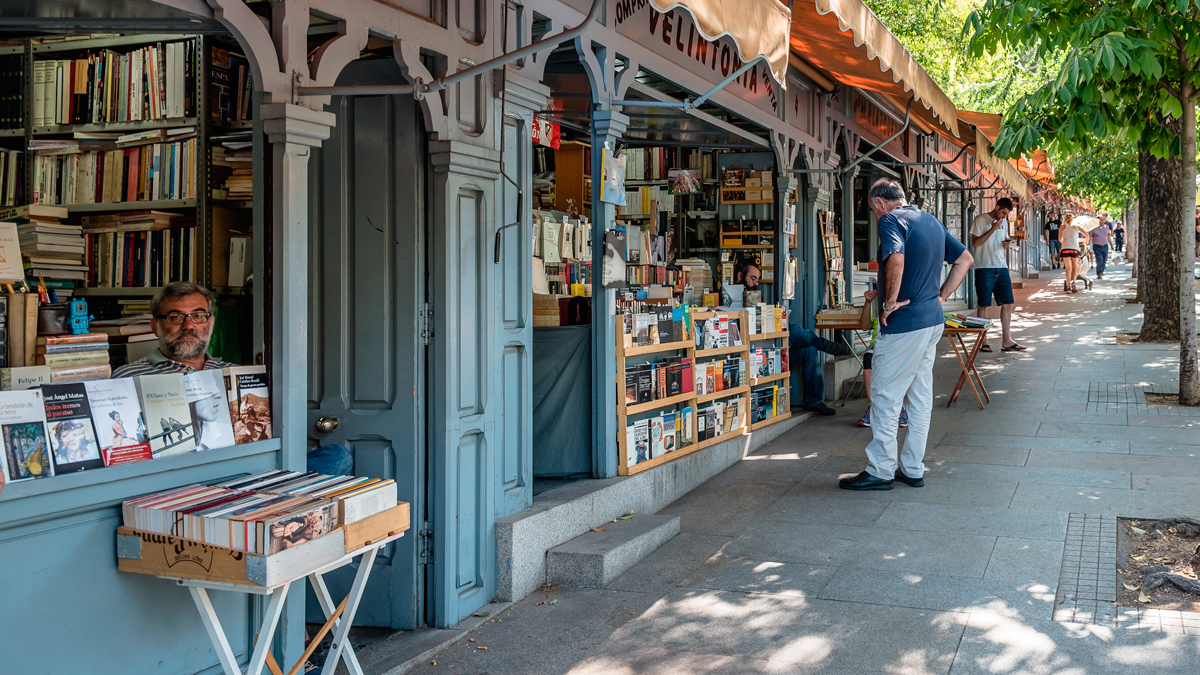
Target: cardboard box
<point x="241" y="263"/>
<point x="753" y="195"/>
<point x="753" y="182"/>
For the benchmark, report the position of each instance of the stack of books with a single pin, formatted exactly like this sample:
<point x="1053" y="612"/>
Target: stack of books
<point x="233" y="176"/>
<point x="964" y="321"/>
<point x="261" y="514"/>
<point x="74" y="358"/>
<point x="49" y="247"/>
<point x="12" y="176"/>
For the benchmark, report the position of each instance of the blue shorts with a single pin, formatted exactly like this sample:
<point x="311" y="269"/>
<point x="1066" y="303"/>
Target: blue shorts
<point x="991" y="281"/>
<point x="1055" y="246"/>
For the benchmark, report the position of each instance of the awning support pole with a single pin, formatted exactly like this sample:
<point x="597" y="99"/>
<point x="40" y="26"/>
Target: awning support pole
<point x="889" y="139"/>
<point x="454" y="78"/>
<point x="688" y="104"/>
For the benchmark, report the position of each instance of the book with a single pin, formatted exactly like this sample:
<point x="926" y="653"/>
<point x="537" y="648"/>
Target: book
<point x="249" y="403"/>
<point x="301" y="525"/>
<point x="366" y="502"/>
<point x="670" y="427"/>
<point x="71" y="339"/>
<point x="23" y="430"/>
<point x="94" y="357"/>
<point x="166" y="413"/>
<point x="641" y="447"/>
<point x="656" y="437"/>
<point x="209" y="406"/>
<point x="28" y="377"/>
<point x="69" y="427"/>
<point x="79" y="373"/>
<point x="117" y="416"/>
<point x="22" y="328"/>
<point x="10" y="253"/>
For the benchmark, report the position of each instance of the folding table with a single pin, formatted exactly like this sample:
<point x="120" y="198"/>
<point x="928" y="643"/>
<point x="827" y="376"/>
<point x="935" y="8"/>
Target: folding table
<point x="966" y="359"/>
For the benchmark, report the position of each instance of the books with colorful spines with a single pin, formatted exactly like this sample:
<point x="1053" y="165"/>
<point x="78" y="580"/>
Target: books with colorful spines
<point x="117" y="416"/>
<point x="209" y="406"/>
<point x="23" y="433"/>
<point x="95" y="357"/>
<point x="249" y="403"/>
<point x="69" y="427"/>
<point x="165" y="409"/>
<point x="28" y="377"/>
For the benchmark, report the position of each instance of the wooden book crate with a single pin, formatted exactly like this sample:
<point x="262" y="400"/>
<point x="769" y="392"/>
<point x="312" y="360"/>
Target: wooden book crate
<point x="175" y="557"/>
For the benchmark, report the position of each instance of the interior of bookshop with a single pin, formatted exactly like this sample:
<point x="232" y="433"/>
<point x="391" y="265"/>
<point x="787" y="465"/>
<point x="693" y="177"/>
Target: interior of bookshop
<point x="701" y="338"/>
<point x="125" y="166"/>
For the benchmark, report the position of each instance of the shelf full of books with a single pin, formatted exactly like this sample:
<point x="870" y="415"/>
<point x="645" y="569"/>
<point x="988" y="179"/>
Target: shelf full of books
<point x="691" y="378"/>
<point x="54" y="426"/>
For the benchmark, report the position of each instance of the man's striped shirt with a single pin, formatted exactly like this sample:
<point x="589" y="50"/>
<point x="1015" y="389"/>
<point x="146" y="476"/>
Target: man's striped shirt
<point x="157" y="364"/>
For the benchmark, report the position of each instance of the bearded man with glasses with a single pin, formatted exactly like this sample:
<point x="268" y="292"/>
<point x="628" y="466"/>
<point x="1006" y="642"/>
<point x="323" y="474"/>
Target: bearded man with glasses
<point x="181" y="315"/>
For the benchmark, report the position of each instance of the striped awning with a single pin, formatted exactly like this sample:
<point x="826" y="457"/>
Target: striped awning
<point x="757" y="27"/>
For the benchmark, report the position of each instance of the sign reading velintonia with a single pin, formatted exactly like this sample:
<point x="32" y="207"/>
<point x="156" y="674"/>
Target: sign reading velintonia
<point x="674" y="36"/>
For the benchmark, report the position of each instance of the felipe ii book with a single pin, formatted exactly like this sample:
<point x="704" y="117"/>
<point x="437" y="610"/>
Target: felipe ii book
<point x="168" y="419"/>
<point x="117" y="416"/>
<point x="69" y="428"/>
<point x="249" y="403"/>
<point x="23" y="432"/>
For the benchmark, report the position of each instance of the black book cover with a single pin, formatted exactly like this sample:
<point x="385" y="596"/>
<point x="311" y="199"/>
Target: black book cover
<point x="674" y="379"/>
<point x="91" y="90"/>
<point x="645" y="384"/>
<point x="665" y="325"/>
<point x="631" y="388"/>
<point x="69" y="428"/>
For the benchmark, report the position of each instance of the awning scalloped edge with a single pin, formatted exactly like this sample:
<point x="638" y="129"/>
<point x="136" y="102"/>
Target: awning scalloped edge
<point x="696" y="9"/>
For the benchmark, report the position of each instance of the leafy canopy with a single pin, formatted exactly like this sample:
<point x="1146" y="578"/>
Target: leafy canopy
<point x="1107" y="172"/>
<point x="1124" y="67"/>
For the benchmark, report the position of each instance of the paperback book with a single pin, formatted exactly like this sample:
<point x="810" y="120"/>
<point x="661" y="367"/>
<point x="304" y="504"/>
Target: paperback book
<point x="23" y="430"/>
<point x="117" y="416"/>
<point x="249" y="403"/>
<point x="168" y="419"/>
<point x="210" y="410"/>
<point x="69" y="428"/>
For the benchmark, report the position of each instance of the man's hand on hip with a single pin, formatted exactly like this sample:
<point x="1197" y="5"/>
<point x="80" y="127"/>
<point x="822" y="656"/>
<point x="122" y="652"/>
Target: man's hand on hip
<point x="883" y="316"/>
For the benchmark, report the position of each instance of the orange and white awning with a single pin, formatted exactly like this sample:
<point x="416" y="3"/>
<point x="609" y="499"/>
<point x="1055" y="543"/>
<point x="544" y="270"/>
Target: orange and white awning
<point x="757" y="27"/>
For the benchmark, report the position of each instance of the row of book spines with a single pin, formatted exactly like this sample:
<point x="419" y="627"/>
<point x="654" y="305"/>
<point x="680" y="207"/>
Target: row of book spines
<point x="765" y="362"/>
<point x="150" y="83"/>
<point x="720" y="375"/>
<point x="136" y="259"/>
<point x="12" y="83"/>
<point x="658" y="274"/>
<point x="654" y="163"/>
<point x="144" y="173"/>
<point x="12" y="177"/>
<point x="657" y="381"/>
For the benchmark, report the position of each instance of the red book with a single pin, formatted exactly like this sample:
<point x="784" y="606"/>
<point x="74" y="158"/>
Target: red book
<point x="689" y="380"/>
<point x="131" y="157"/>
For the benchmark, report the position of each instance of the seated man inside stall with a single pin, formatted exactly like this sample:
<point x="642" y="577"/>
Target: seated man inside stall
<point x="803" y="345"/>
<point x="181" y="316"/>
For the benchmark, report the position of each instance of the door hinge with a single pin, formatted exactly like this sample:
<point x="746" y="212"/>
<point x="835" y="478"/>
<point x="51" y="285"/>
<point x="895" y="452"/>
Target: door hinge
<point x="425" y="544"/>
<point x="426" y="323"/>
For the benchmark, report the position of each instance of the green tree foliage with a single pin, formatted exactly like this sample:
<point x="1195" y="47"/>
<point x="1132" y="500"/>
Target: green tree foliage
<point x="931" y="31"/>
<point x="1107" y="172"/>
<point x="1128" y="68"/>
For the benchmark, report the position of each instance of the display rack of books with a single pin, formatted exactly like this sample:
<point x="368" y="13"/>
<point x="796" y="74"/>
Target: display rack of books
<point x="831" y="246"/>
<point x="117" y="131"/>
<point x="690" y="378"/>
<point x="742" y="186"/>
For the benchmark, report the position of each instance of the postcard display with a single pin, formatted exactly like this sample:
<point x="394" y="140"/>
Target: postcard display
<point x="725" y="374"/>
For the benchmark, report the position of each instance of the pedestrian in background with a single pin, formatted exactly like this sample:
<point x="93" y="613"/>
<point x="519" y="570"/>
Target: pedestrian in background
<point x="1050" y="236"/>
<point x="989" y="236"/>
<point x="1070" y="236"/>
<point x="1100" y="244"/>
<point x="913" y="245"/>
<point x="1119" y="236"/>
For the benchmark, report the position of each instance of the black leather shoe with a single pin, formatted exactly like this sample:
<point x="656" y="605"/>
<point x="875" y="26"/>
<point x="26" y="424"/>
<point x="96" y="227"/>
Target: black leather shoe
<point x="911" y="482"/>
<point x="864" y="481"/>
<point x="819" y="408"/>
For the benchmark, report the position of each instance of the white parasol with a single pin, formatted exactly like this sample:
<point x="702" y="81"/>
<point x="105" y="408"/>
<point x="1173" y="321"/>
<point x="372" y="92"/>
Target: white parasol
<point x="1086" y="223"/>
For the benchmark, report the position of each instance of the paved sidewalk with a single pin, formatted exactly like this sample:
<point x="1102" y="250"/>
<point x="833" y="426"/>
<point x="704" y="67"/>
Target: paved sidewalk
<point x="778" y="571"/>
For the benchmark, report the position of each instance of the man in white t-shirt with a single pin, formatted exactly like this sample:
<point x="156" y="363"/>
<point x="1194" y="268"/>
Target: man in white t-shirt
<point x="989" y="236"/>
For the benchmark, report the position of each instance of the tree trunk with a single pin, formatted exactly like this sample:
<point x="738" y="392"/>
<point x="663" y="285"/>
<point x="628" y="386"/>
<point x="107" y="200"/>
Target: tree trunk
<point x="1159" y="196"/>
<point x="1189" y="378"/>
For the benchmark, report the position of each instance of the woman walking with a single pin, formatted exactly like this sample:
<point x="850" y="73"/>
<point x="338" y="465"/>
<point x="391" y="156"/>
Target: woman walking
<point x="1070" y="236"/>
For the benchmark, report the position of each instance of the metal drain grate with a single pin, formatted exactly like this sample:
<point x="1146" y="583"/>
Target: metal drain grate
<point x="1119" y="397"/>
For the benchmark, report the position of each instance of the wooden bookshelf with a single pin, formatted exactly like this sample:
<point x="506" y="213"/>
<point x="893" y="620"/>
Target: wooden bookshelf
<point x="771" y="420"/>
<point x="624" y="410"/>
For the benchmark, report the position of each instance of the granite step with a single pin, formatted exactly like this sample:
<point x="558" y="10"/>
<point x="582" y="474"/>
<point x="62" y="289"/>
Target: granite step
<point x="594" y="559"/>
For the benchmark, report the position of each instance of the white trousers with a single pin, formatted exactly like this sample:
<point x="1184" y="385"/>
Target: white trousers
<point x="901" y="376"/>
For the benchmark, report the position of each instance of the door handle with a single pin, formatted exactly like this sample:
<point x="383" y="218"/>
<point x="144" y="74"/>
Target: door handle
<point x="327" y="424"/>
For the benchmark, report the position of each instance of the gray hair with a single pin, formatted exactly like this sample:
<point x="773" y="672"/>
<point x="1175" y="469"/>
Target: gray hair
<point x="886" y="189"/>
<point x="180" y="289"/>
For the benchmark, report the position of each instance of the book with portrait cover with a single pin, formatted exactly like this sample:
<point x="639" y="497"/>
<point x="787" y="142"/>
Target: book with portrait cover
<point x="165" y="410"/>
<point x="69" y="428"/>
<point x="23" y="430"/>
<point x="117" y="416"/>
<point x="249" y="403"/>
<point x="210" y="409"/>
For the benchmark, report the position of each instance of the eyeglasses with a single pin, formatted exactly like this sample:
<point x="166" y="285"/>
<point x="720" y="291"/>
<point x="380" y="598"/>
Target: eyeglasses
<point x="177" y="318"/>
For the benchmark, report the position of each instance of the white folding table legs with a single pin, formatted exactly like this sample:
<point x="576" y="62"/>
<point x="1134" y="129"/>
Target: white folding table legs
<point x="216" y="633"/>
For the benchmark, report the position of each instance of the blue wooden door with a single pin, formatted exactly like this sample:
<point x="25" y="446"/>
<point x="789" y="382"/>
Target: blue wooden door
<point x="367" y="369"/>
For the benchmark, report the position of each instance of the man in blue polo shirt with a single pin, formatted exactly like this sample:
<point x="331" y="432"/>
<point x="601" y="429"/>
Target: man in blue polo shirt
<point x="912" y="247"/>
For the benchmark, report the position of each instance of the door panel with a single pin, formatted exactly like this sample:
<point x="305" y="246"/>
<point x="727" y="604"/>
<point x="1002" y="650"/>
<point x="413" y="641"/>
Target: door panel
<point x="367" y="365"/>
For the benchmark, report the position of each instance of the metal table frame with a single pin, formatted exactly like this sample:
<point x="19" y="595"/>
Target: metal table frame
<point x="966" y="359"/>
<point x="340" y="650"/>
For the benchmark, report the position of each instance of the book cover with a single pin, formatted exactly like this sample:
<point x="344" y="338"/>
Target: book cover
<point x="249" y="403"/>
<point x="299" y="527"/>
<point x="10" y="253"/>
<point x="687" y="377"/>
<point x="669" y="425"/>
<point x="631" y="444"/>
<point x="95" y="357"/>
<point x="656" y="436"/>
<point x="117" y="416"/>
<point x="23" y="430"/>
<point x="674" y="379"/>
<point x="666" y="333"/>
<point x="645" y="384"/>
<point x="168" y="419"/>
<point x="69" y="428"/>
<point x="641" y="447"/>
<point x="631" y="388"/>
<point x="703" y="433"/>
<point x="209" y="404"/>
<point x="686" y="423"/>
<point x="28" y="377"/>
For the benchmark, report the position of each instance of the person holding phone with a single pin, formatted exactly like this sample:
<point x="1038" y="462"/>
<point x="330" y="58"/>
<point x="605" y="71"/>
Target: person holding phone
<point x="989" y="236"/>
